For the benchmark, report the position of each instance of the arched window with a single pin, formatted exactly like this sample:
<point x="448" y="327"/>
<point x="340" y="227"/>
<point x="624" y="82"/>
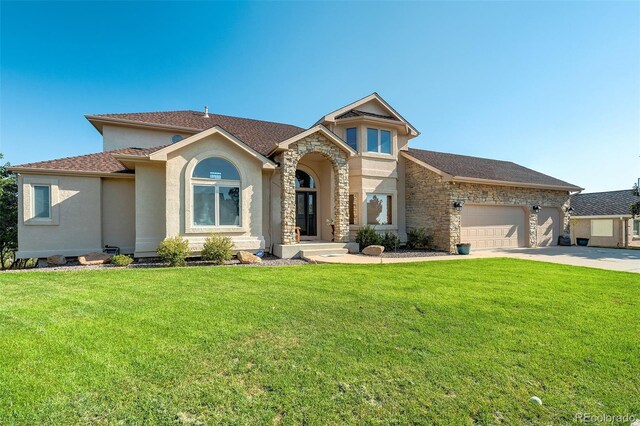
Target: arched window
<point x="216" y="193"/>
<point x="303" y="180"/>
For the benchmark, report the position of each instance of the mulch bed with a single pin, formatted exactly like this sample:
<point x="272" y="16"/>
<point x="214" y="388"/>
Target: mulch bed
<point x="413" y="253"/>
<point x="73" y="265"/>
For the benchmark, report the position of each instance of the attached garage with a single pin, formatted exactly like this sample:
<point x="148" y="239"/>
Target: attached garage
<point x="548" y="226"/>
<point x="486" y="226"/>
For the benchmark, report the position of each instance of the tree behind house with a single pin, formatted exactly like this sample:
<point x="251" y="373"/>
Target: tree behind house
<point x="8" y="215"/>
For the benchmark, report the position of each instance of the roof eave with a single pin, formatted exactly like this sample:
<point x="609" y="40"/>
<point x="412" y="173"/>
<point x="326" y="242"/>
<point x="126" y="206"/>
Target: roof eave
<point x="161" y="155"/>
<point x="318" y="128"/>
<point x="465" y="179"/>
<point x="59" y="172"/>
<point x="96" y="119"/>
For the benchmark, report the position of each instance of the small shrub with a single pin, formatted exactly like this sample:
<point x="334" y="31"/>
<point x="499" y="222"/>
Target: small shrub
<point x="217" y="249"/>
<point x="419" y="238"/>
<point x="390" y="241"/>
<point x="367" y="236"/>
<point x="121" y="260"/>
<point x="174" y="250"/>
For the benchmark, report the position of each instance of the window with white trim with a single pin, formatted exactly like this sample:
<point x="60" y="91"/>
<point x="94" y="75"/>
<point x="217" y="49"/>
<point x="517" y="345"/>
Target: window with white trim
<point x="602" y="227"/>
<point x="216" y="193"/>
<point x="379" y="208"/>
<point x="378" y="141"/>
<point x="41" y="201"/>
<point x="636" y="228"/>
<point x="351" y="136"/>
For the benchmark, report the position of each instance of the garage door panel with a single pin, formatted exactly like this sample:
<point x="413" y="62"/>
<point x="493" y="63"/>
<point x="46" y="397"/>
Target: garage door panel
<point x="548" y="226"/>
<point x="493" y="226"/>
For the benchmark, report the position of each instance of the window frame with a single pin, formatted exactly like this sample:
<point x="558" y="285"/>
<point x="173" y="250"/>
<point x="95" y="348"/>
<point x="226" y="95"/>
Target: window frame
<point x="391" y="213"/>
<point x="34" y="202"/>
<point x="190" y="226"/>
<point x="346" y="137"/>
<point x="379" y="142"/>
<point x="602" y="221"/>
<point x="27" y="185"/>
<point x="635" y="228"/>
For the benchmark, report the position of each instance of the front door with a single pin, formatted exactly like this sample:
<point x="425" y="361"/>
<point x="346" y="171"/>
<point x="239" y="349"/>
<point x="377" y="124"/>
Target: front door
<point x="306" y="213"/>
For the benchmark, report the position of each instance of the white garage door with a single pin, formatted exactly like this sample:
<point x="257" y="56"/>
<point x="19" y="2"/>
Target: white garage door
<point x="548" y="227"/>
<point x="493" y="226"/>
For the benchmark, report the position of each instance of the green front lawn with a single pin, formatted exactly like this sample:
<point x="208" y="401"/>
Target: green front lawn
<point x="447" y="342"/>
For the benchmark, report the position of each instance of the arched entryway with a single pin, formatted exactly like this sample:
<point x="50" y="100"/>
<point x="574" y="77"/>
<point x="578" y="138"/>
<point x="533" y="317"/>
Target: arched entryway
<point x="307" y="214"/>
<point x="335" y="185"/>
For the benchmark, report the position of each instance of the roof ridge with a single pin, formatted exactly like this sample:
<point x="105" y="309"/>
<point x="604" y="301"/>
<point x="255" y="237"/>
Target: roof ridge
<point x="110" y="115"/>
<point x="467" y="156"/>
<point x="606" y="192"/>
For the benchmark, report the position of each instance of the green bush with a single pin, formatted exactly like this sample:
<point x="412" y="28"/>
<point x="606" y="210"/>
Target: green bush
<point x="217" y="249"/>
<point x="419" y="238"/>
<point x="121" y="260"/>
<point x="367" y="236"/>
<point x="174" y="251"/>
<point x="390" y="241"/>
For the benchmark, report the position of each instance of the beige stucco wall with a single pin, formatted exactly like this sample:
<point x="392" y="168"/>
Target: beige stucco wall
<point x="150" y="208"/>
<point x="377" y="173"/>
<point x="179" y="167"/>
<point x="581" y="228"/>
<point x="118" y="214"/>
<point x="116" y="137"/>
<point x="75" y="227"/>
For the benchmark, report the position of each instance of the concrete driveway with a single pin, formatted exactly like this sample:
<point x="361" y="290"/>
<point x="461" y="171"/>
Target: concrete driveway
<point x="594" y="257"/>
<point x="602" y="258"/>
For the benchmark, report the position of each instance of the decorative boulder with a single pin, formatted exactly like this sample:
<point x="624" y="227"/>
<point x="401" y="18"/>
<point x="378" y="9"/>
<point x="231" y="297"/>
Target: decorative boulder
<point x="56" y="260"/>
<point x="247" y="258"/>
<point x="94" y="258"/>
<point x="373" y="250"/>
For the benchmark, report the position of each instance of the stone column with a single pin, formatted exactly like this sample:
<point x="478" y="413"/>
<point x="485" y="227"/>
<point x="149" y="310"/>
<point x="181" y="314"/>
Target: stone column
<point x="341" y="201"/>
<point x="533" y="229"/>
<point x="288" y="162"/>
<point x="454" y="227"/>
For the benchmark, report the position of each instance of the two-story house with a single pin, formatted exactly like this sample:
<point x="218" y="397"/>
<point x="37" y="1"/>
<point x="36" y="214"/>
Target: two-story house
<point x="193" y="173"/>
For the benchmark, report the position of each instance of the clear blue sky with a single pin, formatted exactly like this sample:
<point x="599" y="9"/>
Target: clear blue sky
<point x="552" y="86"/>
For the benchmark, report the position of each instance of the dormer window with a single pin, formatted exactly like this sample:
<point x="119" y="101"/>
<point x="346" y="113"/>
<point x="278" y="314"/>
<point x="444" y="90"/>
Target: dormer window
<point x="379" y="141"/>
<point x="352" y="137"/>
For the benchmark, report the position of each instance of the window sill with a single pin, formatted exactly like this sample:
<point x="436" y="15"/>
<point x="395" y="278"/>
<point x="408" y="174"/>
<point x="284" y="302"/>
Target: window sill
<point x="215" y="229"/>
<point x="40" y="222"/>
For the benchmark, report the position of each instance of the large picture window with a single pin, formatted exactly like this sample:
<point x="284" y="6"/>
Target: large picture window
<point x="379" y="209"/>
<point x="216" y="193"/>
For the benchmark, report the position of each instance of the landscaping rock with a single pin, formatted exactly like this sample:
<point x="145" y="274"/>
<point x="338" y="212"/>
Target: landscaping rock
<point x="247" y="258"/>
<point x="56" y="260"/>
<point x="94" y="258"/>
<point x="373" y="250"/>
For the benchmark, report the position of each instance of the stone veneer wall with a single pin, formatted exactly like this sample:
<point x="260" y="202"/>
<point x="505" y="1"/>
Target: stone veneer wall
<point x="430" y="204"/>
<point x="427" y="203"/>
<point x="289" y="162"/>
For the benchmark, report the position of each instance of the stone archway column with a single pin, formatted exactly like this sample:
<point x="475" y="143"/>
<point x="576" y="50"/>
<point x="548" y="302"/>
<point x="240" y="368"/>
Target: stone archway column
<point x="289" y="162"/>
<point x="341" y="202"/>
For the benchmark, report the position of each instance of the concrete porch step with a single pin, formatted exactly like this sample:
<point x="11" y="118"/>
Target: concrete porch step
<point x="288" y="251"/>
<point x="323" y="252"/>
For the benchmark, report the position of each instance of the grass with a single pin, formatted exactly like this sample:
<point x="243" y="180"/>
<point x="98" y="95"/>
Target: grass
<point x="449" y="342"/>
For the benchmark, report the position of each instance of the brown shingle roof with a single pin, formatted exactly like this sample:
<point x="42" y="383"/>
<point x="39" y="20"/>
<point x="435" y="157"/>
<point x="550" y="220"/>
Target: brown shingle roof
<point x="608" y="203"/>
<point x="102" y="162"/>
<point x="259" y="135"/>
<point x="464" y="166"/>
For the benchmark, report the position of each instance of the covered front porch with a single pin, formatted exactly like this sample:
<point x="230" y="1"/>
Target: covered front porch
<point x="314" y="194"/>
